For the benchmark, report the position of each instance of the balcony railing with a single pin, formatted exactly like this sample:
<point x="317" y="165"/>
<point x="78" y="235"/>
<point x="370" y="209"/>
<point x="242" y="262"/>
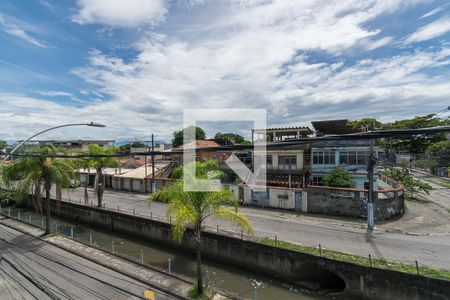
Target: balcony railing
<point x="282" y="167"/>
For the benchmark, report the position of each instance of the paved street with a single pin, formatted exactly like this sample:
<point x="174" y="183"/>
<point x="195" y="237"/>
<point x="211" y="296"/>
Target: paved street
<point x="440" y="194"/>
<point x="33" y="269"/>
<point x="333" y="233"/>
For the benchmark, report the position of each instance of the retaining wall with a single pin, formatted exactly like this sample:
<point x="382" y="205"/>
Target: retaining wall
<point x="360" y="282"/>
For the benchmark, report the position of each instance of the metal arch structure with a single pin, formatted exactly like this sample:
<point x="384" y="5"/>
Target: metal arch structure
<point x="91" y="124"/>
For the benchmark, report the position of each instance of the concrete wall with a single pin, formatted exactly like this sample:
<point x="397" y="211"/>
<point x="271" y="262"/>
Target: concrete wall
<point x="332" y="202"/>
<point x="325" y="200"/>
<point x="360" y="282"/>
<point x="352" y="203"/>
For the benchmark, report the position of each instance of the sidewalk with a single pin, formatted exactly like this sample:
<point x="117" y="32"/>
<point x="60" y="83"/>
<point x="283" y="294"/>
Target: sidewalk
<point x="403" y="240"/>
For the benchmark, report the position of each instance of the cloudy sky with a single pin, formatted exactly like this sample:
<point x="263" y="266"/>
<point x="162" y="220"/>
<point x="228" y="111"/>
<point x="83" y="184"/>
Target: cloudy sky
<point x="134" y="65"/>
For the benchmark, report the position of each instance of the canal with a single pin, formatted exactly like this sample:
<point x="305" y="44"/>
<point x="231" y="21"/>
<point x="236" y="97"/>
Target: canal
<point x="233" y="280"/>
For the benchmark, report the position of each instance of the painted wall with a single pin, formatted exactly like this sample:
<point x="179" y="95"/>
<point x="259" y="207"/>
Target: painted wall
<point x="324" y="200"/>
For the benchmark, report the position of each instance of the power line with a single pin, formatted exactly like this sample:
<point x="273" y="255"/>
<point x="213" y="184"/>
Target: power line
<point x="30" y="279"/>
<point x="371" y="135"/>
<point x="48" y="257"/>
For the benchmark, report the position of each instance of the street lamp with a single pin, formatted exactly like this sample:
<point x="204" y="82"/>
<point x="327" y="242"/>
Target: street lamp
<point x="91" y="124"/>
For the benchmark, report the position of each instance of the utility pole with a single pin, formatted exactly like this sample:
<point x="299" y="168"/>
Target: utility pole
<point x="153" y="165"/>
<point x="370" y="202"/>
<point x="145" y="175"/>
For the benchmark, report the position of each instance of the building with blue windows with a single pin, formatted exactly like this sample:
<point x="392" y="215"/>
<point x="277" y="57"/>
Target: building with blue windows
<point x="351" y="155"/>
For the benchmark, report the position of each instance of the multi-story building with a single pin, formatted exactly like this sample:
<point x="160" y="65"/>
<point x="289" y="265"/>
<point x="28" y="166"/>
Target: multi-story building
<point x="273" y="135"/>
<point x="286" y="166"/>
<point x="351" y="155"/>
<point x="74" y="145"/>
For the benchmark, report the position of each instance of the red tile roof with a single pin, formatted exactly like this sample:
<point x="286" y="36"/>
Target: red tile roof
<point x="198" y="144"/>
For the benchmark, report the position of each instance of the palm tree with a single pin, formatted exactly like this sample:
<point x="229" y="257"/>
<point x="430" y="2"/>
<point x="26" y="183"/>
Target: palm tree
<point x="190" y="209"/>
<point x="27" y="174"/>
<point x="85" y="164"/>
<point x="98" y="163"/>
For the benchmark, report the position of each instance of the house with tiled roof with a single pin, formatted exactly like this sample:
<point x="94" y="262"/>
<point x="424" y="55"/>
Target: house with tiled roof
<point x="204" y="151"/>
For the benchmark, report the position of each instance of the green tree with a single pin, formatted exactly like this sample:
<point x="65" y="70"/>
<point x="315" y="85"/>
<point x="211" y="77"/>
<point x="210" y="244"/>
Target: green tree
<point x="411" y="184"/>
<point x="99" y="163"/>
<point x="418" y="143"/>
<point x="232" y="137"/>
<point x="425" y="163"/>
<point x="3" y="144"/>
<point x="178" y="135"/>
<point x="439" y="153"/>
<point x="366" y="124"/>
<point x="190" y="209"/>
<point x="134" y="144"/>
<point x="27" y="174"/>
<point x="338" y="177"/>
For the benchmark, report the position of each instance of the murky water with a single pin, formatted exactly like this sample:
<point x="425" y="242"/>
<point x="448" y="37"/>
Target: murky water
<point x="225" y="277"/>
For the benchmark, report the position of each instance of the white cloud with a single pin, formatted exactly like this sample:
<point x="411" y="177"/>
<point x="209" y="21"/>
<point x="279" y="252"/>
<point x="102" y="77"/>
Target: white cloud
<point x="430" y="31"/>
<point x="434" y="11"/>
<point x="54" y="93"/>
<point x="250" y="56"/>
<point x="120" y="13"/>
<point x="15" y="30"/>
<point x="372" y="45"/>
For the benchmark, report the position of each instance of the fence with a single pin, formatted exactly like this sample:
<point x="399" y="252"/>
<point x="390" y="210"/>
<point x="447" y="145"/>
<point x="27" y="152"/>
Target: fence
<point x="121" y="248"/>
<point x="264" y="238"/>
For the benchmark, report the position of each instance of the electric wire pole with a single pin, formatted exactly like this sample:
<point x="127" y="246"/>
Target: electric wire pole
<point x="370" y="202"/>
<point x="153" y="165"/>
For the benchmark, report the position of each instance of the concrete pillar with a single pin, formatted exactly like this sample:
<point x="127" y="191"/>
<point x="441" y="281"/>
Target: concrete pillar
<point x="305" y="201"/>
<point x="300" y="160"/>
<point x="337" y="157"/>
<point x="275" y="161"/>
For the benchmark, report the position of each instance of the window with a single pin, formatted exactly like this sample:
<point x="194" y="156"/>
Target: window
<point x="362" y="157"/>
<point x="317" y="180"/>
<point x="329" y="157"/>
<point x="287" y="162"/>
<point x="326" y="157"/>
<point x="316" y="157"/>
<point x="269" y="162"/>
<point x="343" y="157"/>
<point x="352" y="157"/>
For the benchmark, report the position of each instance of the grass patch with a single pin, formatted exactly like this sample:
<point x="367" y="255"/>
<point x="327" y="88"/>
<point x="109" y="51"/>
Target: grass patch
<point x="360" y="260"/>
<point x="193" y="293"/>
<point x="444" y="183"/>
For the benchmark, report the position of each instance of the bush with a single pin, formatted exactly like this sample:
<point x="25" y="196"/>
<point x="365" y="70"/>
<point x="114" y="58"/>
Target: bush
<point x="338" y="177"/>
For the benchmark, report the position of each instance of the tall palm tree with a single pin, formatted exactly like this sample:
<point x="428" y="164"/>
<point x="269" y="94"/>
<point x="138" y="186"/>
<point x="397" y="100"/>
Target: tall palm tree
<point x="190" y="209"/>
<point x="99" y="163"/>
<point x="85" y="164"/>
<point x="27" y="174"/>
